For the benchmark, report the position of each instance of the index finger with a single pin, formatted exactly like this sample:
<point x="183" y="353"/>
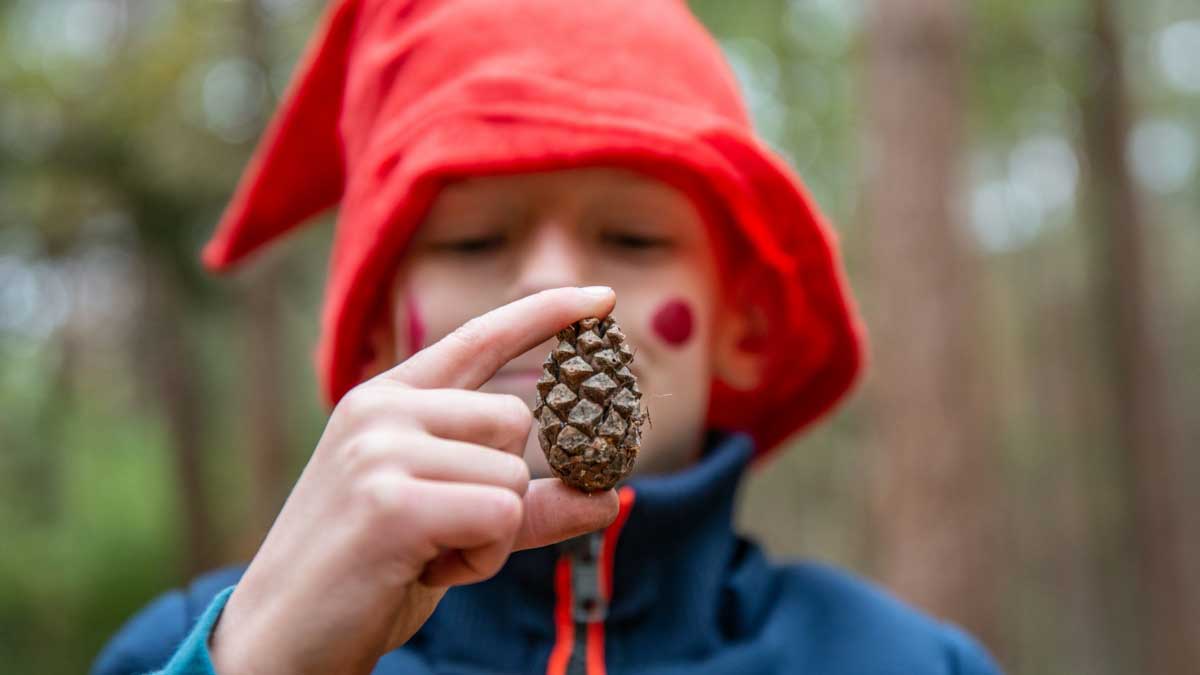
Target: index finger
<point x="469" y="356"/>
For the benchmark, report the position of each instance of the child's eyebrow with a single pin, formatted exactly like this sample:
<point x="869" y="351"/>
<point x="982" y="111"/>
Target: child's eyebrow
<point x="466" y="208"/>
<point x="648" y="206"/>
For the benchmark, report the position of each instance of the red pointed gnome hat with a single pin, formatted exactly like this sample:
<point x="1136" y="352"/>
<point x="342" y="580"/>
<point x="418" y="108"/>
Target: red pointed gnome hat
<point x="395" y="97"/>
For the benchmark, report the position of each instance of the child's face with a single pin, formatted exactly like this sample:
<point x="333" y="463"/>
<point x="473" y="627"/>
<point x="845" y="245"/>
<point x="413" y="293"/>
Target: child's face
<point x="490" y="240"/>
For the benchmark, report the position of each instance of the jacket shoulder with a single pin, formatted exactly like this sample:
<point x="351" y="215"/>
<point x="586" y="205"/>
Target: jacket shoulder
<point x="147" y="640"/>
<point x="864" y="628"/>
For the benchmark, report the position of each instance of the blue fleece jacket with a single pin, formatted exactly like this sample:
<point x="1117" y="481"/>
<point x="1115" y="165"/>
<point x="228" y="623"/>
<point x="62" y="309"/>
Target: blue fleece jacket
<point x="688" y="596"/>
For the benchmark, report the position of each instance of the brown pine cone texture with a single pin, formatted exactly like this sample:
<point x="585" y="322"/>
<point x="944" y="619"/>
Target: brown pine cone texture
<point x="589" y="407"/>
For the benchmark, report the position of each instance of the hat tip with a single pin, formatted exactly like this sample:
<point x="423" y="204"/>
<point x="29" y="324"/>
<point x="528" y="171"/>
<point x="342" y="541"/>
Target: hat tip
<point x="215" y="258"/>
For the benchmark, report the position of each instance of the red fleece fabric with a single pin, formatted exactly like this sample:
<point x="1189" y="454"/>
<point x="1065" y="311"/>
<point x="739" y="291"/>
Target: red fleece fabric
<point x="393" y="98"/>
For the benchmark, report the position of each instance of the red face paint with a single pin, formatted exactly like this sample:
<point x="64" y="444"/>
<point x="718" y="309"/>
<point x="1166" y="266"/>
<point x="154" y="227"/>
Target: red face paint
<point x="673" y="322"/>
<point x="416" y="325"/>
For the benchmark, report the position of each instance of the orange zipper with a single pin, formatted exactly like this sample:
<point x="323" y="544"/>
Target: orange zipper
<point x="566" y="614"/>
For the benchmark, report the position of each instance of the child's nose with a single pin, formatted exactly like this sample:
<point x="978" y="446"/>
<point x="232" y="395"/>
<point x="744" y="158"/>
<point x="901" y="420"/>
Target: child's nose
<point x="552" y="257"/>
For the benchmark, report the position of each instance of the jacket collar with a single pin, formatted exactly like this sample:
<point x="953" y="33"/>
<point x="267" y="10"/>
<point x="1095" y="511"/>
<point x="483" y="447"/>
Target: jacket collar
<point x="679" y="535"/>
<point x="672" y="551"/>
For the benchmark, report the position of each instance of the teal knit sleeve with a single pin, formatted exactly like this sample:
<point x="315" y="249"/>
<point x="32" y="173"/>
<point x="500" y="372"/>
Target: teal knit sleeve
<point x="192" y="657"/>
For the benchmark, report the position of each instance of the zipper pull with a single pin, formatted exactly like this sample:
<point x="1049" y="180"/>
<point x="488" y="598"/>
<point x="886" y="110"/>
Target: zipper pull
<point x="589" y="605"/>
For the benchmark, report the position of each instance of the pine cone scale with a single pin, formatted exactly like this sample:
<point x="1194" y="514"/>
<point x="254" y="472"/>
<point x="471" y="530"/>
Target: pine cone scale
<point x="588" y="406"/>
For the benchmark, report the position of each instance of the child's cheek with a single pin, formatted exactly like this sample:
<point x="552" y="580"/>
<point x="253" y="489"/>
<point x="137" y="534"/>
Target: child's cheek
<point x="674" y="322"/>
<point x="415" y="324"/>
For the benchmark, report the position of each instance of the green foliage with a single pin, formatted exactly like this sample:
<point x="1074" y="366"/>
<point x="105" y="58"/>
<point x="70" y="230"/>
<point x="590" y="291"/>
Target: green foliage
<point x="125" y="123"/>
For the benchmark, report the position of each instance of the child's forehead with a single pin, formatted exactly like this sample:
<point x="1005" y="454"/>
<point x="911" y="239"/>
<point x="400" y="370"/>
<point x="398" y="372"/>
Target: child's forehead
<point x="554" y="182"/>
<point x="586" y="193"/>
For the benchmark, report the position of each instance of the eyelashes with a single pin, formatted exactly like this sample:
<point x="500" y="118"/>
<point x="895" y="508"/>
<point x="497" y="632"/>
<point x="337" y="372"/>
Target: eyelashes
<point x="633" y="241"/>
<point x="474" y="245"/>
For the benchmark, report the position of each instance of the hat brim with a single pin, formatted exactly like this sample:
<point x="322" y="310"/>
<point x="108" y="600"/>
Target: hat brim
<point x="815" y="340"/>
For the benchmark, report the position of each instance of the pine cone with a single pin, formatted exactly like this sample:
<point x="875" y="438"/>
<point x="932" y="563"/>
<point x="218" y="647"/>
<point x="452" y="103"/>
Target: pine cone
<point x="588" y="406"/>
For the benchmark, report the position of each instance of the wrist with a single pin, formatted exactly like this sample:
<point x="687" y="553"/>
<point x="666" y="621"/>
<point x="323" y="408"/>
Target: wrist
<point x="265" y="642"/>
<point x="233" y="648"/>
<point x="220" y="649"/>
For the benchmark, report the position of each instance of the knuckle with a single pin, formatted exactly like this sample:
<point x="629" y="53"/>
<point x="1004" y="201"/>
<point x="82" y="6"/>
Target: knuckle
<point x="368" y="451"/>
<point x="537" y="527"/>
<point x="516" y="417"/>
<point x="515" y="475"/>
<point x="357" y="454"/>
<point x="366" y="404"/>
<point x="519" y="477"/>
<point x="475" y="337"/>
<point x="385" y="502"/>
<point x="547" y="294"/>
<point x="357" y="405"/>
<point x="490" y="568"/>
<point x="472" y="334"/>
<point x="379" y="496"/>
<point x="507" y="511"/>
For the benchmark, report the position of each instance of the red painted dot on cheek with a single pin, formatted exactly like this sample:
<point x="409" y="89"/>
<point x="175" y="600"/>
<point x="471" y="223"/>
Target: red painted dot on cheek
<point x="673" y="322"/>
<point x="416" y="325"/>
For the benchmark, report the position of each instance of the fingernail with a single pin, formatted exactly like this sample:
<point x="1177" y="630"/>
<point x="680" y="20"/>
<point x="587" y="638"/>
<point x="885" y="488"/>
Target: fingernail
<point x="597" y="291"/>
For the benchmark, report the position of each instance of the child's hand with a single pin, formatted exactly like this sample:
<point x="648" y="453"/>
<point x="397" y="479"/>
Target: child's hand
<point x="418" y="483"/>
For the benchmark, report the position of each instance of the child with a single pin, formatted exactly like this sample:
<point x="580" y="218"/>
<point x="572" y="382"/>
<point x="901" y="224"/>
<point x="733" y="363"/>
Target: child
<point x="511" y="166"/>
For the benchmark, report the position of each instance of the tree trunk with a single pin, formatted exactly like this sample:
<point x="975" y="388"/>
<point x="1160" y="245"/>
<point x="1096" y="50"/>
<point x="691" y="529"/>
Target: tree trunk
<point x="1125" y="296"/>
<point x="265" y="353"/>
<point x="266" y="405"/>
<point x="935" y="523"/>
<point x="173" y="378"/>
<point x="1087" y="633"/>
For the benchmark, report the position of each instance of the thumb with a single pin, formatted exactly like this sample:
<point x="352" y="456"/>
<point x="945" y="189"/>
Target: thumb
<point x="554" y="512"/>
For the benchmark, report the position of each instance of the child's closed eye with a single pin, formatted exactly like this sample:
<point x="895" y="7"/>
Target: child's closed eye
<point x="635" y="241"/>
<point x="470" y="245"/>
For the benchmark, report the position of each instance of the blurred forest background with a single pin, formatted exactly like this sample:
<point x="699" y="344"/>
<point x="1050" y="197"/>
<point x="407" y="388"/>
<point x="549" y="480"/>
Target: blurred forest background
<point x="1016" y="187"/>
